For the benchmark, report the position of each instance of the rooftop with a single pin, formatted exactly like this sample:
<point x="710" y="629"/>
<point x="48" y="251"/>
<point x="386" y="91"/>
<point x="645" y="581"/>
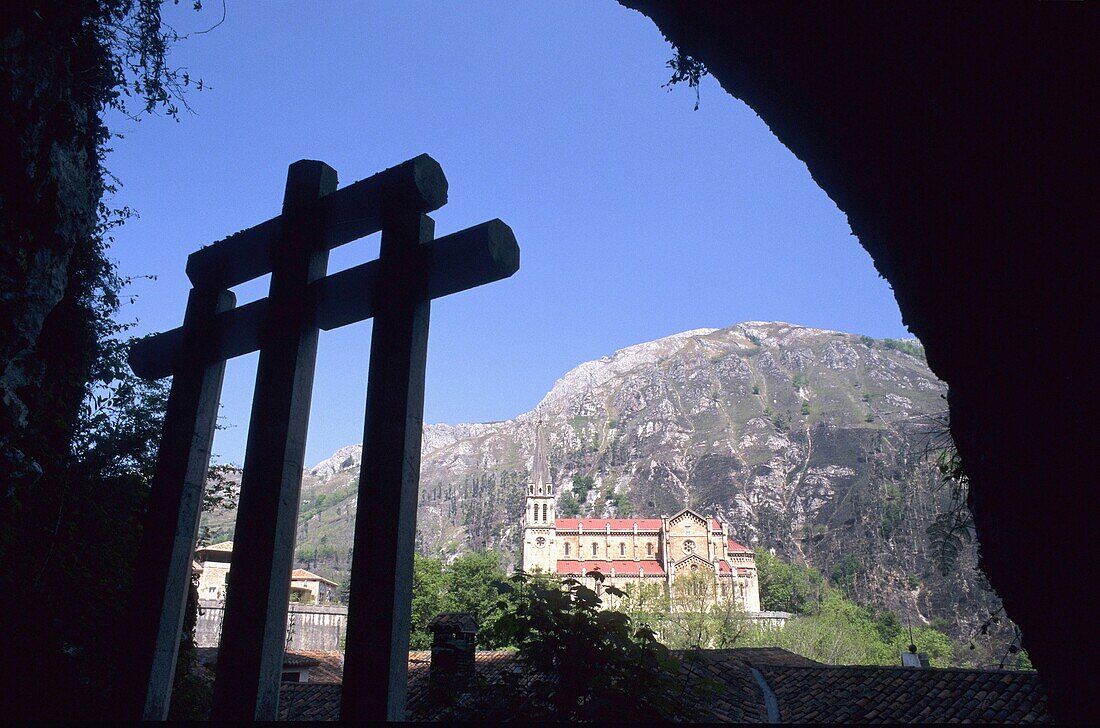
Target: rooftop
<point x="303" y="575"/>
<point x="601" y="524"/>
<point x="806" y="691"/>
<point x="224" y="546"/>
<point x="623" y="567"/>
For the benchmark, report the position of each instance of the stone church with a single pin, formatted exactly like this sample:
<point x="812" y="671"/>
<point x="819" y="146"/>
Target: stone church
<point x="687" y="553"/>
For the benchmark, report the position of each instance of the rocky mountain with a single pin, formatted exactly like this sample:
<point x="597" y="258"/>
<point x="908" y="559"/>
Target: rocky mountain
<point x="813" y="443"/>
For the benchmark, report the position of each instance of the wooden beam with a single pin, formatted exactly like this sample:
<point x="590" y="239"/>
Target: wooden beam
<point x="163" y="571"/>
<point x="344" y="215"/>
<point x="250" y="655"/>
<point x="376" y="659"/>
<point x="469" y="258"/>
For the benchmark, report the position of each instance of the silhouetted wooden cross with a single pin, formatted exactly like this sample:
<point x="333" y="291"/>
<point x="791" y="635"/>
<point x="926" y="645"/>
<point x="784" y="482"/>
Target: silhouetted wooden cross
<point x="396" y="291"/>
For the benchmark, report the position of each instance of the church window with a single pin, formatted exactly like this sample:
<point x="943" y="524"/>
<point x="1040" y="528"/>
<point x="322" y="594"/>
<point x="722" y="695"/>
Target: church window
<point x="543" y="512"/>
<point x="649" y="549"/>
<point x="622" y="549"/>
<point x="566" y="549"/>
<point x="593" y="548"/>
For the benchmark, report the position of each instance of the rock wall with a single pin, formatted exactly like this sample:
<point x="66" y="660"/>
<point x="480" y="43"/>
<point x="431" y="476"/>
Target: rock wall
<point x="960" y="141"/>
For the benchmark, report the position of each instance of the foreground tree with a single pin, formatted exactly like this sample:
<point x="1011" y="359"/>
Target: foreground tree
<point x="589" y="664"/>
<point x="77" y="433"/>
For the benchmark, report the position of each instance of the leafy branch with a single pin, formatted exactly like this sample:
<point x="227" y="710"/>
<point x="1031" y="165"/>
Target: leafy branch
<point x="686" y="68"/>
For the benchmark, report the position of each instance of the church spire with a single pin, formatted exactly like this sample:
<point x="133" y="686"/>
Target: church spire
<point x="540" y="467"/>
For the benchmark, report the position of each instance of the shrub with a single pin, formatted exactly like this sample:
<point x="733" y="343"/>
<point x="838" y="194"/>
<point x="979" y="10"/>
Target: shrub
<point x="568" y="507"/>
<point x="907" y="347"/>
<point x="592" y="665"/>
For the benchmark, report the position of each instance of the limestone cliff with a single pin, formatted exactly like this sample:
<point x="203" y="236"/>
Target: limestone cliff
<point x="809" y="442"/>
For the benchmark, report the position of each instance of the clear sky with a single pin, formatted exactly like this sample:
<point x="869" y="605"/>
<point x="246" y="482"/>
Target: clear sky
<point x="637" y="217"/>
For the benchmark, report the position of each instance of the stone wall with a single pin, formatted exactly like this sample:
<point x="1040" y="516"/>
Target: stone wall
<point x="310" y="627"/>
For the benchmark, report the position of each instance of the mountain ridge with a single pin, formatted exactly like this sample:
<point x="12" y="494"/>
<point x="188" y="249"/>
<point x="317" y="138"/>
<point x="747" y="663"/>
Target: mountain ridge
<point x="808" y="441"/>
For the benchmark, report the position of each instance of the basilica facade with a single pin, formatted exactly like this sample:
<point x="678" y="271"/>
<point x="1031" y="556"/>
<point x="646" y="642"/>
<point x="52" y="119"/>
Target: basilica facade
<point x="684" y="555"/>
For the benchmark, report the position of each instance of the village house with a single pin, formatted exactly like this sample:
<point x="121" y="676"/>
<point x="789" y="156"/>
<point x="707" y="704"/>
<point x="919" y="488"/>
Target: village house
<point x="312" y="589"/>
<point x="213" y="567"/>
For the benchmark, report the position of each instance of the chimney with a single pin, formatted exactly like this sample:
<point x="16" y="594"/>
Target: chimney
<point x="914" y="659"/>
<point x="454" y="641"/>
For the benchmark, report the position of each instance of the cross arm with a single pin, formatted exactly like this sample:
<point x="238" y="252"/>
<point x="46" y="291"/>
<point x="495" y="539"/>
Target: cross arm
<point x="469" y="258"/>
<point x="349" y="213"/>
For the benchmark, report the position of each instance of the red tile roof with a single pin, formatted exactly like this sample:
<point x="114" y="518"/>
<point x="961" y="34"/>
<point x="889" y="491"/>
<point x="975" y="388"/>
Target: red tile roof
<point x="601" y="524"/>
<point x="309" y="701"/>
<point x="625" y="567"/>
<point x="329" y="667"/>
<point x="863" y="694"/>
<point x="724" y="567"/>
<point x="303" y="575"/>
<point x="806" y="691"/>
<point x="715" y="525"/>
<point x="734" y="546"/>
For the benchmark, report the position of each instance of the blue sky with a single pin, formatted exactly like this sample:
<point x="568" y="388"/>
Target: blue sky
<point x="637" y="217"/>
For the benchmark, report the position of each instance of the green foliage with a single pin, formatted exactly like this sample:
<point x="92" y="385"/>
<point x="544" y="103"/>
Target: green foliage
<point x="330" y="500"/>
<point x="846" y="571"/>
<point x="843" y="633"/>
<point x="568" y="507"/>
<point x="788" y="587"/>
<point x="798" y="381"/>
<point x="893" y="511"/>
<point x="686" y="68"/>
<point x="699" y="620"/>
<point x="869" y="418"/>
<point x="908" y="347"/>
<point x="805" y="408"/>
<point x="581" y="485"/>
<point x="313" y="554"/>
<point x="593" y="665"/>
<point x="756" y="389"/>
<point x="427" y="599"/>
<point x="221" y="490"/>
<point x="470" y="584"/>
<point x="78" y="441"/>
<point x="867" y="341"/>
<point x="954" y="528"/>
<point x="620" y="502"/>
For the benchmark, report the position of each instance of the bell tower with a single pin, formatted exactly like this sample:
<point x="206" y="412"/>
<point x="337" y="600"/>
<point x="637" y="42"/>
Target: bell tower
<point x="539" y="542"/>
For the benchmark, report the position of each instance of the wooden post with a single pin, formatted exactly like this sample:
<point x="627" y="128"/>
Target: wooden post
<point x="376" y="660"/>
<point x="250" y="656"/>
<point x="396" y="290"/>
<point x="172" y="520"/>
